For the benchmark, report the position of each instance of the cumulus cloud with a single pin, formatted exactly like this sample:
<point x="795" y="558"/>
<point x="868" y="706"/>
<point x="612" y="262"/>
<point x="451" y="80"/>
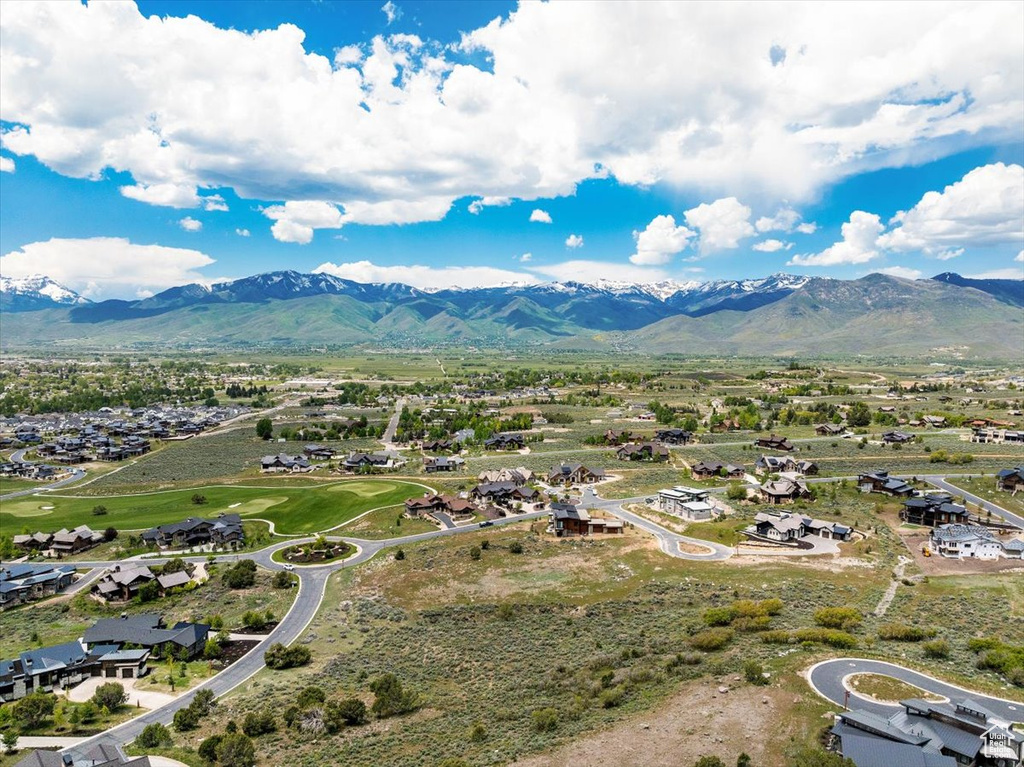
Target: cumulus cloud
<point x="574" y="241"/>
<point x="722" y="224"/>
<point x="985" y="207"/>
<point x="661" y="240"/>
<point x="859" y="244"/>
<point x="214" y="202"/>
<point x="168" y="195"/>
<point x="426" y="277"/>
<point x="190" y="224"/>
<point x="392" y="11"/>
<point x="295" y="221"/>
<point x="487" y="202"/>
<point x="775" y="110"/>
<point x="540" y="216"/>
<point x="242" y="232"/>
<point x="526" y="257"/>
<point x="771" y="246"/>
<point x="901" y="271"/>
<point x="592" y="271"/>
<point x="106" y="267"/>
<point x="807" y="228"/>
<point x="785" y="220"/>
<point x="6" y="165"/>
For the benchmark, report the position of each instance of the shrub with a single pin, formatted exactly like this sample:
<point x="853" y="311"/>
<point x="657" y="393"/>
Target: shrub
<point x="350" y="711"/>
<point x="478" y="733"/>
<point x="719" y="616"/>
<point x="711" y="639"/>
<point x="937" y="648"/>
<point x="844" y="618"/>
<point x="32" y="710"/>
<point x="752" y="623"/>
<point x="613" y="697"/>
<point x="256" y="724"/>
<point x="256" y="621"/>
<point x="311" y="696"/>
<point x="154" y="736"/>
<point x="212" y="649"/>
<point x="400" y="555"/>
<point x="736" y="492"/>
<point x="901" y="632"/>
<point x="515" y="547"/>
<point x="709" y="761"/>
<point x="264" y="428"/>
<point x="282" y="580"/>
<point x="99" y="511"/>
<point x="110" y="695"/>
<point x="545" y="719"/>
<point x="241" y="575"/>
<point x="391" y="699"/>
<point x="198" y="499"/>
<point x="236" y="750"/>
<point x="280" y="657"/>
<point x="830" y="637"/>
<point x="186" y="719"/>
<point x="208" y="748"/>
<point x="753" y="672"/>
<point x="110" y="534"/>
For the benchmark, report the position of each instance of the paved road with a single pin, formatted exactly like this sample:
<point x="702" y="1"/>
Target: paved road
<point x="389" y="433"/>
<point x="669" y="540"/>
<point x="827" y="679"/>
<point x="941" y="483"/>
<point x="19" y="455"/>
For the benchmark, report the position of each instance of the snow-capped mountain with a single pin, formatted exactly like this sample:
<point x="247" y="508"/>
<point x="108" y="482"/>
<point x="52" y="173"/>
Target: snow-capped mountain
<point x="25" y="294"/>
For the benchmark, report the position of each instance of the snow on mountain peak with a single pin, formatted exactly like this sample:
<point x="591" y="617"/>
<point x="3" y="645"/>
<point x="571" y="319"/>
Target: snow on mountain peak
<point x="40" y="287"/>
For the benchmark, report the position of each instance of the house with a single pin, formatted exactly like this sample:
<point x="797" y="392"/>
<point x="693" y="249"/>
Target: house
<point x="505" y="493"/>
<point x="923" y="733"/>
<point x="997" y="436"/>
<point x="567" y="520"/>
<point x="897" y="438"/>
<point x="34" y="542"/>
<point x="786" y="489"/>
<point x="711" y="469"/>
<point x="772" y="464"/>
<point x="935" y="421"/>
<point x="443" y="463"/>
<point x="686" y="502"/>
<point x="790" y="528"/>
<point x="283" y="462"/>
<point x="66" y="541"/>
<point x="1010" y="480"/>
<point x="98" y="756"/>
<point x="568" y="474"/>
<point x="505" y="442"/>
<point x="432" y="504"/>
<point x="673" y="436"/>
<point x="61" y="666"/>
<point x="224" y="531"/>
<point x="439" y="445"/>
<point x="371" y="462"/>
<point x="959" y="541"/>
<point x="318" y="453"/>
<point x="642" y="451"/>
<point x="615" y="437"/>
<point x="148" y="631"/>
<point x="775" y="442"/>
<point x="122" y="582"/>
<point x="934" y="509"/>
<point x="518" y="476"/>
<point x="829" y="429"/>
<point x="881" y="482"/>
<point x="23" y="582"/>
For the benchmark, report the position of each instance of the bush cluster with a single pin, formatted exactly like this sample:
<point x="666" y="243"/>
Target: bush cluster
<point x="280" y="657"/>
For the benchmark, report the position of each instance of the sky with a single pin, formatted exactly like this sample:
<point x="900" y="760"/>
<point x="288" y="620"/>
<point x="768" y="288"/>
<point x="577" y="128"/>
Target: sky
<point x="152" y="144"/>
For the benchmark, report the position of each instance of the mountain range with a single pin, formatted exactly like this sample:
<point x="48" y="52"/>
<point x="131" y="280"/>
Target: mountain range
<point x="779" y="314"/>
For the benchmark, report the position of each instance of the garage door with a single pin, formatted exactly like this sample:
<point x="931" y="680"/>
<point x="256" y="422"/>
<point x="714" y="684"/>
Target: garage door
<point x="127" y="673"/>
<point x="111" y="672"/>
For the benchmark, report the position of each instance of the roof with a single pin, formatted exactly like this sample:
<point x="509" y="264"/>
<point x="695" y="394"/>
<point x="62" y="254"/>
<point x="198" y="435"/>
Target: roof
<point x="868" y="751"/>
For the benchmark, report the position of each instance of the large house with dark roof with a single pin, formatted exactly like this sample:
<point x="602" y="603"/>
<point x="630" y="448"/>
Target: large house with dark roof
<point x="1010" y="480"/>
<point x="568" y="474"/>
<point x="955" y="733"/>
<point x="881" y="482"/>
<point x="224" y="531"/>
<point x="147" y="630"/>
<point x="24" y="582"/>
<point x="775" y="442"/>
<point x="934" y="509"/>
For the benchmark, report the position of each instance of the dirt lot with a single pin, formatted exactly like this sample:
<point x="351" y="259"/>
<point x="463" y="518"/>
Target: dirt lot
<point x="935" y="565"/>
<point x="697" y="721"/>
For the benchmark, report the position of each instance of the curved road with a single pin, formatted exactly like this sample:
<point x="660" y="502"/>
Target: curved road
<point x="828" y="680"/>
<point x="19" y="455"/>
<point x="998" y="511"/>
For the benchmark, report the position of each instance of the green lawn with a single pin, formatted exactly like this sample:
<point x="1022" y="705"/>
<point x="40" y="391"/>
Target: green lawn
<point x="386" y="523"/>
<point x="15" y="484"/>
<point x="292" y="509"/>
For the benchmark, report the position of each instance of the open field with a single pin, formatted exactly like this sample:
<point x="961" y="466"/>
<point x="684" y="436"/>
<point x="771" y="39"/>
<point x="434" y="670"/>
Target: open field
<point x="292" y="509"/>
<point x="985" y="487"/>
<point x="386" y="523"/>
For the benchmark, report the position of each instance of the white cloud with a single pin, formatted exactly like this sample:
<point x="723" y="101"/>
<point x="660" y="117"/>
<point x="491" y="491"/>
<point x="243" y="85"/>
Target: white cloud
<point x="901" y="271"/>
<point x="214" y="202"/>
<point x="722" y="224"/>
<point x="487" y="202"/>
<point x="859" y="244"/>
<point x="661" y="240"/>
<point x="574" y="241"/>
<point x="190" y="224"/>
<point x="295" y="220"/>
<point x="985" y="207"/>
<point x="426" y="277"/>
<point x="6" y="165"/>
<point x="808" y="228"/>
<point x="242" y="232"/>
<point x="540" y="216"/>
<point x="771" y="246"/>
<point x="106" y="267"/>
<point x="1010" y="273"/>
<point x="392" y="11"/>
<point x="785" y="220"/>
<point x="182" y="105"/>
<point x="167" y="195"/>
<point x="592" y="271"/>
<point x="526" y="257"/>
<point x="1020" y="256"/>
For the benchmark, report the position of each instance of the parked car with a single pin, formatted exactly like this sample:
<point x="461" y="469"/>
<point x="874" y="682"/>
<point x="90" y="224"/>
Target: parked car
<point x="486" y="523"/>
<point x="289" y="566"/>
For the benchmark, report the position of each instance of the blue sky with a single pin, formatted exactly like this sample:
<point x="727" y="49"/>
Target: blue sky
<point x="473" y="143"/>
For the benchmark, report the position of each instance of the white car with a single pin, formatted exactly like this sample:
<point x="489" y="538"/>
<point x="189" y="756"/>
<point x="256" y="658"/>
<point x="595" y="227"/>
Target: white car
<point x="289" y="566"/>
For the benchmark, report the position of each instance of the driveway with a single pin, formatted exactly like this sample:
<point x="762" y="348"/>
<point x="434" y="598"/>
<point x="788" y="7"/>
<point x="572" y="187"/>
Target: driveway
<point x="143" y="698"/>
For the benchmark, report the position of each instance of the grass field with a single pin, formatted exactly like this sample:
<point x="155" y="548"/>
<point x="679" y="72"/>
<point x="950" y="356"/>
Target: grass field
<point x="15" y="484"/>
<point x="985" y="487"/>
<point x="292" y="509"/>
<point x="386" y="523"/>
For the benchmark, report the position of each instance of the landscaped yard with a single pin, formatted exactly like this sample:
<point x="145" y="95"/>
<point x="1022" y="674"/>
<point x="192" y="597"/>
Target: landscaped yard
<point x="292" y="509"/>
